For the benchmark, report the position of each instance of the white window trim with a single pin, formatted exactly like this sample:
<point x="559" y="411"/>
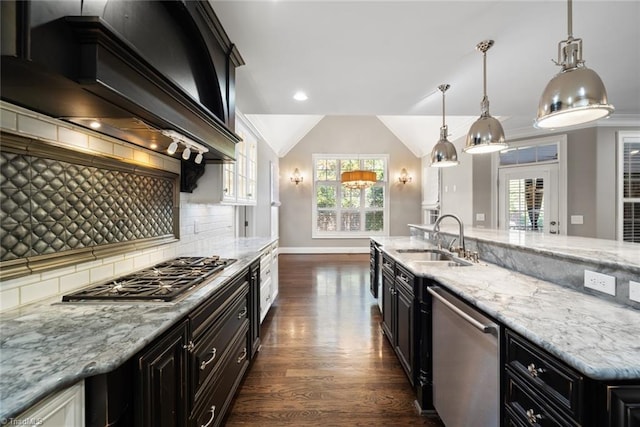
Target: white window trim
<point x="315" y="234"/>
<point x="622" y="135"/>
<point x="561" y="140"/>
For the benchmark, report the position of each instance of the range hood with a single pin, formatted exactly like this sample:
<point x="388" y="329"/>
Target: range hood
<point x="143" y="70"/>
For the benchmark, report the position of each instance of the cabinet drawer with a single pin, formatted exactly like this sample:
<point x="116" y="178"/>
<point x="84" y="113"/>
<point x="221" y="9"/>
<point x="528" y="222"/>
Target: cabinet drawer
<point x="209" y="410"/>
<point x="556" y="382"/>
<point x="211" y="347"/>
<point x="388" y="265"/>
<point x="522" y="408"/>
<point x="209" y="311"/>
<point x="404" y="278"/>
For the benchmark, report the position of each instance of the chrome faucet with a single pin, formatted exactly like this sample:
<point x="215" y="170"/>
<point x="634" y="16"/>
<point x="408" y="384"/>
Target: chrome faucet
<point x="436" y="229"/>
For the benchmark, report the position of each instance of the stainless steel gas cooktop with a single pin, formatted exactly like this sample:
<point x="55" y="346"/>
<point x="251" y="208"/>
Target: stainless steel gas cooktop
<point x="162" y="282"/>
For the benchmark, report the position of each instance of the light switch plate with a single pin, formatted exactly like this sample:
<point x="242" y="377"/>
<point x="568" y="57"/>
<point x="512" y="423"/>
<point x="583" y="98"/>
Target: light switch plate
<point x="479" y="217"/>
<point x="577" y="219"/>
<point x="634" y="291"/>
<point x="600" y="282"/>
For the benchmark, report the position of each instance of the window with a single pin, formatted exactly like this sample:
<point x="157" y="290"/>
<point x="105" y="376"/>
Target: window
<point x="343" y="212"/>
<point x="629" y="186"/>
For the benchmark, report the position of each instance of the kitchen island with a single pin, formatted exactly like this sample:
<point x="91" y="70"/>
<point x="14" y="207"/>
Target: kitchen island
<point x="593" y="336"/>
<point x="51" y="345"/>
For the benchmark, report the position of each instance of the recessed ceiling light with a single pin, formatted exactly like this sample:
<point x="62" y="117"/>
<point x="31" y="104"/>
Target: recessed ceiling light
<point x="95" y="124"/>
<point x="153" y="146"/>
<point x="300" y="96"/>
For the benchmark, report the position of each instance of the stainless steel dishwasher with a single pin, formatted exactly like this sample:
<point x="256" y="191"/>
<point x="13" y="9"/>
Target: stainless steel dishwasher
<point x="466" y="358"/>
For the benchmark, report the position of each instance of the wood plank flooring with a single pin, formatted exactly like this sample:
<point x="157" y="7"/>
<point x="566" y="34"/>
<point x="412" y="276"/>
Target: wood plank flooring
<point x="323" y="359"/>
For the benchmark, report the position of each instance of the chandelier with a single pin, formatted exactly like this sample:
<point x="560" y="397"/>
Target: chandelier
<point x="358" y="179"/>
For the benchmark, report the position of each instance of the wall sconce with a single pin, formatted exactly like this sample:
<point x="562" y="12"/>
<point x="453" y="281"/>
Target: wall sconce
<point x="404" y="176"/>
<point x="297" y="178"/>
<point x="190" y="146"/>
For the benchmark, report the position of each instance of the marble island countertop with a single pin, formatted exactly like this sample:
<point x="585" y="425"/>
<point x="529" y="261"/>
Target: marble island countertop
<point x="603" y="251"/>
<point x="48" y="346"/>
<point x="596" y="337"/>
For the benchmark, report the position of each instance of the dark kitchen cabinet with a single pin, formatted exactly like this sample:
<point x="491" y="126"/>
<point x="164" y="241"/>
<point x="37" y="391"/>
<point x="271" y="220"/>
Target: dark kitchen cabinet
<point x="404" y="333"/>
<point x="540" y="389"/>
<point x="254" y="304"/>
<point x="398" y="313"/>
<point x="388" y="297"/>
<point x="163" y="381"/>
<point x="374" y="269"/>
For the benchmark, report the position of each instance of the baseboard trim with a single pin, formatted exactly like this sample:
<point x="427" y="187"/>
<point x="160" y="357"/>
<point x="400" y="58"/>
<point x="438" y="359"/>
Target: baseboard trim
<point x="323" y="250"/>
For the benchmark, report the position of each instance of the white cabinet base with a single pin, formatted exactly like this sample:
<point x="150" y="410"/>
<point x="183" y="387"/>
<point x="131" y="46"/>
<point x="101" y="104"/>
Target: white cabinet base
<point x="63" y="409"/>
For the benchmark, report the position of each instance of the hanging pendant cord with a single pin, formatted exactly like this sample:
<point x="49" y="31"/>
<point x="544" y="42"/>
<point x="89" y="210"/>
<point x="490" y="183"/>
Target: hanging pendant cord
<point x="569" y="18"/>
<point x="443" y="109"/>
<point x="484" y="72"/>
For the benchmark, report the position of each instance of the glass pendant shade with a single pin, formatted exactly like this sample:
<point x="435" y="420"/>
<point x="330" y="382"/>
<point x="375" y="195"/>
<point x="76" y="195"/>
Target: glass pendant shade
<point x="444" y="153"/>
<point x="576" y="95"/>
<point x="358" y="179"/>
<point x="486" y="134"/>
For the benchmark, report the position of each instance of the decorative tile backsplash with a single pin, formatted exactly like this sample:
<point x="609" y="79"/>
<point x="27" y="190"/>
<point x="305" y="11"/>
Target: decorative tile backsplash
<point x="52" y="206"/>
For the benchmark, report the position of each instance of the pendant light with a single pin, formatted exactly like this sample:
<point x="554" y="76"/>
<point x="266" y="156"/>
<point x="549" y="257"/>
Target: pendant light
<point x="575" y="95"/>
<point x="486" y="134"/>
<point x="358" y="179"/>
<point x="444" y="153"/>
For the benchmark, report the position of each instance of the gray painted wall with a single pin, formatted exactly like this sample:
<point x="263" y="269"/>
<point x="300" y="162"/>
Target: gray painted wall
<point x="345" y="135"/>
<point x="591" y="181"/>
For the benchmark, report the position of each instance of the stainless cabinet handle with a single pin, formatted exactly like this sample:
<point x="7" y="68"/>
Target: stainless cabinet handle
<point x="242" y="313"/>
<point x="534" y="371"/>
<point x="213" y="356"/>
<point x="478" y="325"/>
<point x="403" y="278"/>
<point x="189" y="347"/>
<point x="213" y="415"/>
<point x="243" y="355"/>
<point x="532" y="417"/>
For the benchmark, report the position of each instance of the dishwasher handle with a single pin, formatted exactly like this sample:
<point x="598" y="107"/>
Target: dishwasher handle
<point x="486" y="329"/>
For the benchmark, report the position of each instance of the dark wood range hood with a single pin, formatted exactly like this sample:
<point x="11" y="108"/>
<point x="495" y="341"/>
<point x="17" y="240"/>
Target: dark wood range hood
<point x="137" y="67"/>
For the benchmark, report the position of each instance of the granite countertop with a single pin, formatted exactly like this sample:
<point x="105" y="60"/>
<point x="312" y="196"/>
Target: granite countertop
<point x="48" y="346"/>
<point x="614" y="253"/>
<point x="596" y="337"/>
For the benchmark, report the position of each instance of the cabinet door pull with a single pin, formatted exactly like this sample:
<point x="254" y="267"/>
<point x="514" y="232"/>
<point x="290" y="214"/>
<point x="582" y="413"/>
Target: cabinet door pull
<point x="243" y="355"/>
<point x="403" y="278"/>
<point x="205" y="363"/>
<point x="213" y="415"/>
<point x="534" y="371"/>
<point x="189" y="347"/>
<point x="532" y="417"/>
<point x="242" y="313"/>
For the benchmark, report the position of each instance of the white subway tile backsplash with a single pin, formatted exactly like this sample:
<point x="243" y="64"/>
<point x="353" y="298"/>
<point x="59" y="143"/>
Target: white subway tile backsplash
<point x="89" y="265"/>
<point x="123" y="152"/>
<point x="141" y="261"/>
<point x="39" y="291"/>
<point x="46" y="275"/>
<point x="141" y="157"/>
<point x="72" y="137"/>
<point x="19" y="281"/>
<point x="74" y="281"/>
<point x="9" y="120"/>
<point x="100" y="145"/>
<point x="9" y="299"/>
<point x="123" y="267"/>
<point x="35" y="127"/>
<point x="98" y="274"/>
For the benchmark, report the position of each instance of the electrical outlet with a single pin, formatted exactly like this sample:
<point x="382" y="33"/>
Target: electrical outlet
<point x="634" y="291"/>
<point x="600" y="282"/>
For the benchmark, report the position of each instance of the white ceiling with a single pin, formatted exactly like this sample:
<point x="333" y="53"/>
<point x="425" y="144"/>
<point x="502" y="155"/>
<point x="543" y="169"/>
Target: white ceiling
<point x="386" y="58"/>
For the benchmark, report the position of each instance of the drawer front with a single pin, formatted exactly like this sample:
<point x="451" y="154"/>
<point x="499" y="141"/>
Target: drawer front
<point x="210" y="408"/>
<point x="404" y="278"/>
<point x="209" y="311"/>
<point x="210" y="349"/>
<point x="561" y="385"/>
<point x="388" y="265"/>
<point x="523" y="408"/>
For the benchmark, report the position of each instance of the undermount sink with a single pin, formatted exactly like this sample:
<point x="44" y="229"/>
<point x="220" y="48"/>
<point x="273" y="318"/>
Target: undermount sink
<point x="432" y="256"/>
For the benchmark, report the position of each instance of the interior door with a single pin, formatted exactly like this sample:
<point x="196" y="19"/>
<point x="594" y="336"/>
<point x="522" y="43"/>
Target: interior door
<point x="528" y="198"/>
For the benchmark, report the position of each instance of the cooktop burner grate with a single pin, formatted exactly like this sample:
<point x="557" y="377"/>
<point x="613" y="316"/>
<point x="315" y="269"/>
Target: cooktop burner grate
<point x="162" y="282"/>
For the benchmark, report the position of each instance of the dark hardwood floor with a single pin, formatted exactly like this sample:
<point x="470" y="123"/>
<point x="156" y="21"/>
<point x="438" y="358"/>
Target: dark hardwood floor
<point x="323" y="359"/>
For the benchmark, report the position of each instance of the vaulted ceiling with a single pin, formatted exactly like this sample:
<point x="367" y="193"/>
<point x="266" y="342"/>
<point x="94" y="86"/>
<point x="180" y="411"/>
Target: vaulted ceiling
<point x="386" y="59"/>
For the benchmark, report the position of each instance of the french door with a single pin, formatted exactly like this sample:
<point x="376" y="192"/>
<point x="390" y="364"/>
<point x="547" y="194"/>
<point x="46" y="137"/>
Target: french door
<point x="528" y="198"/>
